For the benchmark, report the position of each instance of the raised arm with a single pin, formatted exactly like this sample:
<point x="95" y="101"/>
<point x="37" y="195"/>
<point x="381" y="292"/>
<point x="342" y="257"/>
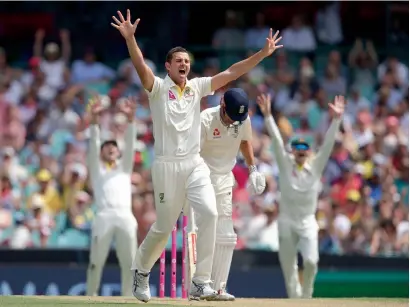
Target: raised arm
<point x="128" y="108"/>
<point x="321" y="158"/>
<point x="38" y="43"/>
<point x="127" y="30"/>
<point x="65" y="45"/>
<point x="93" y="156"/>
<point x="264" y="102"/>
<point x="241" y="68"/>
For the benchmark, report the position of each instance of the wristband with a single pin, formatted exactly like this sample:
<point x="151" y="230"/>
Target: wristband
<point x="252" y="168"/>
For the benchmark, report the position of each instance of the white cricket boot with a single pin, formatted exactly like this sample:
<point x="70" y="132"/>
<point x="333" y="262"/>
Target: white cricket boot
<point x="140" y="287"/>
<point x="222" y="295"/>
<point x="201" y="291"/>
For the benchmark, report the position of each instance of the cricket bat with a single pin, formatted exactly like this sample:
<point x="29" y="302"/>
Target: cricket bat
<point x="191" y="244"/>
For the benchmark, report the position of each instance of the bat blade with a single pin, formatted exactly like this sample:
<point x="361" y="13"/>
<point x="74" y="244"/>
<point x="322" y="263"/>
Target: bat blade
<point x="191" y="253"/>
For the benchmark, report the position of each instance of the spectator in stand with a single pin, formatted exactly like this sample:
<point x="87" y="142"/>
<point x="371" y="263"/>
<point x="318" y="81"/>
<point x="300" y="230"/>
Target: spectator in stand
<point x="298" y="36"/>
<point x="363" y="61"/>
<point x="255" y="37"/>
<point x="49" y="194"/>
<point x="53" y="63"/>
<point x="89" y="70"/>
<point x="399" y="71"/>
<point x="333" y="82"/>
<point x="229" y="36"/>
<point x="328" y="23"/>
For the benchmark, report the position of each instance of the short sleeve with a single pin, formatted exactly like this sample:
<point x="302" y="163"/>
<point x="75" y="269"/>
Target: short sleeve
<point x="204" y="86"/>
<point x="247" y="130"/>
<point x="155" y="88"/>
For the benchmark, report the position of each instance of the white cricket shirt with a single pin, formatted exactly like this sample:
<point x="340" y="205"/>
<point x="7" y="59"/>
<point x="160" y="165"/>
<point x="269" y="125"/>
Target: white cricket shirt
<point x="111" y="186"/>
<point x="176" y="116"/>
<point x="300" y="187"/>
<point x="220" y="145"/>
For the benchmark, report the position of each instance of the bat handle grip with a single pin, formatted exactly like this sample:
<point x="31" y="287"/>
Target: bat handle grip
<point x="191" y="220"/>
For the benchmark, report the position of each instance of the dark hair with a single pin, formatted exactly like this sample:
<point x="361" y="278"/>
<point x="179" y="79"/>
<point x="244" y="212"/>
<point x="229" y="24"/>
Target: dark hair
<point x="170" y="53"/>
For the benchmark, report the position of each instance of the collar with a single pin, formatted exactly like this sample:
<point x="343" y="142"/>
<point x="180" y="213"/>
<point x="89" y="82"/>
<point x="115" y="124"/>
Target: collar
<point x="170" y="84"/>
<point x="109" y="166"/>
<point x="305" y="166"/>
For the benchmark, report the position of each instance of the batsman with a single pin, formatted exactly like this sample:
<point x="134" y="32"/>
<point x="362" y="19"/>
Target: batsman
<point x="225" y="130"/>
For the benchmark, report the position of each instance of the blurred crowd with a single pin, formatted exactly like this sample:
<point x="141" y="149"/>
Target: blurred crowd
<point x="46" y="200"/>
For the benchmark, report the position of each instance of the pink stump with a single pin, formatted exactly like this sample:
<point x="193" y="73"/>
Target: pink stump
<point x="184" y="242"/>
<point x="162" y="275"/>
<point x="174" y="263"/>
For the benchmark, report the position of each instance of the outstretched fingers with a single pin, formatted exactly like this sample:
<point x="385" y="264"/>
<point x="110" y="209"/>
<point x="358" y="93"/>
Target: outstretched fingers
<point x="116" y="20"/>
<point x="121" y="17"/>
<point x="128" y="15"/>
<point x="136" y="23"/>
<point x="275" y="36"/>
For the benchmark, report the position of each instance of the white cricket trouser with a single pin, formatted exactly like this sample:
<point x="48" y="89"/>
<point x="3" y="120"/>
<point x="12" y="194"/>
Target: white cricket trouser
<point x="175" y="182"/>
<point x="121" y="227"/>
<point x="302" y="235"/>
<point x="225" y="235"/>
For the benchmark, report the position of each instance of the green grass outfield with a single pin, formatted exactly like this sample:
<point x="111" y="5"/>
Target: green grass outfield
<point x="83" y="301"/>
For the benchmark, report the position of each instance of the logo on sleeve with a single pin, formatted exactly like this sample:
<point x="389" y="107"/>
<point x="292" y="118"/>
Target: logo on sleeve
<point x="171" y="95"/>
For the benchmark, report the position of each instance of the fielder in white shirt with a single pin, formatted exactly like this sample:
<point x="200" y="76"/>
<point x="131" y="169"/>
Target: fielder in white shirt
<point x="110" y="177"/>
<point x="225" y="130"/>
<point x="178" y="172"/>
<point x="300" y="175"/>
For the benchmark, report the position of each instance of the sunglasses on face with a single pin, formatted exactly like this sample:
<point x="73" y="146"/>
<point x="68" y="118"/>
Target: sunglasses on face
<point x="301" y="147"/>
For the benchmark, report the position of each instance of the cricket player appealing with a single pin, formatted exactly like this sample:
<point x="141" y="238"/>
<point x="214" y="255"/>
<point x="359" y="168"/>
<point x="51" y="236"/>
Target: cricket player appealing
<point x="225" y="130"/>
<point x="300" y="183"/>
<point x="179" y="174"/>
<point x="111" y="182"/>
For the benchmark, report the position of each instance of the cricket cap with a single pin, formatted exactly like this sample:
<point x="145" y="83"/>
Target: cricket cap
<point x="236" y="104"/>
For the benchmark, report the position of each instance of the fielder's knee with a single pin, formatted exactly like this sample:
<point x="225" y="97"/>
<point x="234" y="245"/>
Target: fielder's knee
<point x="310" y="263"/>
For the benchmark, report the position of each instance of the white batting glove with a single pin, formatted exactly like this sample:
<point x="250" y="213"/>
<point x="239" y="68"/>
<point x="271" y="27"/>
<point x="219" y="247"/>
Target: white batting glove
<point x="256" y="182"/>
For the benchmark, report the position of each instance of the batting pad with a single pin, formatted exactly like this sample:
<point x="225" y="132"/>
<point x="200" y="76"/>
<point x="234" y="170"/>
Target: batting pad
<point x="225" y="245"/>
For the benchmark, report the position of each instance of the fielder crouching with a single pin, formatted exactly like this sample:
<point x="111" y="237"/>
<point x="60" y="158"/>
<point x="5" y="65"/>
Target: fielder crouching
<point x="225" y="130"/>
<point x="111" y="182"/>
<point x="300" y="175"/>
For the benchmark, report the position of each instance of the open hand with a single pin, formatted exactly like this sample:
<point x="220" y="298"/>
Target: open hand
<point x="94" y="108"/>
<point x="128" y="107"/>
<point x="264" y="103"/>
<point x="271" y="43"/>
<point x="126" y="28"/>
<point x="337" y="108"/>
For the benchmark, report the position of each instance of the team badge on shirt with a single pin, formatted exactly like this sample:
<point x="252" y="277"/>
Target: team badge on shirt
<point x="216" y="133"/>
<point x="188" y="93"/>
<point x="171" y="95"/>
